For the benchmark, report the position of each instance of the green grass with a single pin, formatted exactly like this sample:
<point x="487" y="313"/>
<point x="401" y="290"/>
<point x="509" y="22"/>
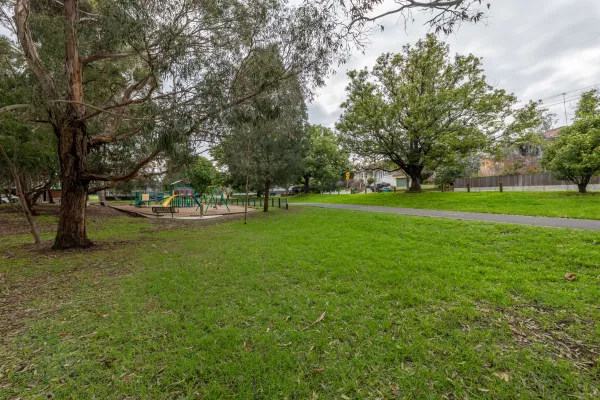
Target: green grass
<point x="547" y="204"/>
<point x="415" y="308"/>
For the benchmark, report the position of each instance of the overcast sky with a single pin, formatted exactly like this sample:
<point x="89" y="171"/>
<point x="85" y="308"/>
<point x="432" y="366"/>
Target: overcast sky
<point x="533" y="48"/>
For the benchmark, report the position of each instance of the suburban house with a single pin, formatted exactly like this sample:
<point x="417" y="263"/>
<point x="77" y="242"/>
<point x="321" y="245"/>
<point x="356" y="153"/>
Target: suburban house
<point x="523" y="159"/>
<point x="397" y="179"/>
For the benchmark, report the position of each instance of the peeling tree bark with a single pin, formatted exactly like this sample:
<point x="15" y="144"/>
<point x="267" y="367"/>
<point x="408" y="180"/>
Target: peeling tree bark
<point x="24" y="206"/>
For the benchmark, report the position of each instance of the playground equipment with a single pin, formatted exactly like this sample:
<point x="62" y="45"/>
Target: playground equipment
<point x="185" y="197"/>
<point x="217" y="198"/>
<point x="168" y="200"/>
<point x="182" y="196"/>
<point x="143" y="199"/>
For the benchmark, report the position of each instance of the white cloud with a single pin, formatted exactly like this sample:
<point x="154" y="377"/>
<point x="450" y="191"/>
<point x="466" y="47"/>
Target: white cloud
<point x="534" y="48"/>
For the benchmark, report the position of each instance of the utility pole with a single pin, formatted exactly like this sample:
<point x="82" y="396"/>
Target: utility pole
<point x="565" y="104"/>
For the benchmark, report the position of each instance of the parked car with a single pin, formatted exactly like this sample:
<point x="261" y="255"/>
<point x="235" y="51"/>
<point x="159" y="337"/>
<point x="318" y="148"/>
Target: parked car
<point x="380" y="186"/>
<point x="296" y="190"/>
<point x="4" y="199"/>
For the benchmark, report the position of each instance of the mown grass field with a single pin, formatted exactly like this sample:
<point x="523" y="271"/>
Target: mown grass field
<point x="308" y="303"/>
<point x="547" y="204"/>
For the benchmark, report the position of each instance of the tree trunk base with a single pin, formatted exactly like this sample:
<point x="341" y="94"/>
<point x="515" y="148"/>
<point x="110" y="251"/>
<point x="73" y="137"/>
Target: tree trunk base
<point x="64" y="243"/>
<point x="71" y="233"/>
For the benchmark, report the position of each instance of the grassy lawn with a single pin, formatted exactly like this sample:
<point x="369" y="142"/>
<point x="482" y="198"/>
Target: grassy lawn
<point x="411" y="308"/>
<point x="547" y="204"/>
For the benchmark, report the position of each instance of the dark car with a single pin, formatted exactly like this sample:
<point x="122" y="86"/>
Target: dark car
<point x="296" y="190"/>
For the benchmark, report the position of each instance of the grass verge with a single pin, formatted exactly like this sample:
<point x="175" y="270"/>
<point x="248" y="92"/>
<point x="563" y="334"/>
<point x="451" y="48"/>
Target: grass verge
<point x="547" y="204"/>
<point x="317" y="303"/>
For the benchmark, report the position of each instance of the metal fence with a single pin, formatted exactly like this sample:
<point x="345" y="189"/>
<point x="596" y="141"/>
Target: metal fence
<point x="531" y="182"/>
<point x="281" y="202"/>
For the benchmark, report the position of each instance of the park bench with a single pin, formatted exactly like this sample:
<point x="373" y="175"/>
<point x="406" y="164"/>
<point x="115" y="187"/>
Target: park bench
<point x="164" y="210"/>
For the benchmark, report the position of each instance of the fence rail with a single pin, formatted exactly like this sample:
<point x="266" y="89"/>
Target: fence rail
<point x="532" y="182"/>
<point x="281" y="202"/>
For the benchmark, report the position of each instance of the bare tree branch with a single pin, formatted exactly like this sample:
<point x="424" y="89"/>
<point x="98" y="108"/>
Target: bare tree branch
<point x="102" y="138"/>
<point x="101" y="110"/>
<point x="30" y="50"/>
<point x="104" y="56"/>
<point x="120" y="178"/>
<point x="112" y="184"/>
<point x="13" y="107"/>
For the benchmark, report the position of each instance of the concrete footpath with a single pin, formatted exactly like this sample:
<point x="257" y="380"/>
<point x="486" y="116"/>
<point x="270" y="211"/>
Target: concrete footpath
<point x="585" y="224"/>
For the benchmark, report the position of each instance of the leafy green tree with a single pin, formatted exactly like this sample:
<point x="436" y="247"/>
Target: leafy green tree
<point x="574" y="154"/>
<point x="30" y="148"/>
<point x="420" y="109"/>
<point x="139" y="81"/>
<point x="445" y="175"/>
<point x="325" y="159"/>
<point x="265" y="144"/>
<point x="202" y="174"/>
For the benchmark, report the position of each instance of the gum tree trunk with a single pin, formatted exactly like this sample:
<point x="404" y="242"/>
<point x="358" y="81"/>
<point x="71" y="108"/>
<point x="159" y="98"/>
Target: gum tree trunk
<point x="72" y="146"/>
<point x="71" y="223"/>
<point x="267" y="189"/>
<point x="582" y="187"/>
<point x="22" y="199"/>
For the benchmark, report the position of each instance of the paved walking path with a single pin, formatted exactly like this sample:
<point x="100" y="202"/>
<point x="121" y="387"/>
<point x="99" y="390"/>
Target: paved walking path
<point x="586" y="224"/>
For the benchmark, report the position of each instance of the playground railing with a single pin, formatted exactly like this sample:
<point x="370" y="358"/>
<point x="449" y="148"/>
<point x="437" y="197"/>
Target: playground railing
<point x="259" y="202"/>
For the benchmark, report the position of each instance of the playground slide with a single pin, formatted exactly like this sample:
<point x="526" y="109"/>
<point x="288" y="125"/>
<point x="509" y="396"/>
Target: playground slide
<point x="168" y="200"/>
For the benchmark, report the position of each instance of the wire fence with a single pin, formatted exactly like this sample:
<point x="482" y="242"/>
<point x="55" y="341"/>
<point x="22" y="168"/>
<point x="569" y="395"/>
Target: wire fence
<point x="530" y="182"/>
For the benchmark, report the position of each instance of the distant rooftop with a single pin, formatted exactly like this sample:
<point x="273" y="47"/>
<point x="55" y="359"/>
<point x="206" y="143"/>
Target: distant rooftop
<point x="552" y="133"/>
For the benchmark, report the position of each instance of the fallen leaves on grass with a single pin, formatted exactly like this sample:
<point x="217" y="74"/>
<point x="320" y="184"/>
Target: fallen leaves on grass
<point x="528" y="330"/>
<point x="321" y="318"/>
<point x="570" y="277"/>
<point x="318" y="371"/>
<point x="248" y="347"/>
<point x="502" y="375"/>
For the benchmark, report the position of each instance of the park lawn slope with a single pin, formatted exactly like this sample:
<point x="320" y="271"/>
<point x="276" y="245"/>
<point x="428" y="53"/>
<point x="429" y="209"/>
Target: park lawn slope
<point x="545" y="204"/>
<point x="315" y="303"/>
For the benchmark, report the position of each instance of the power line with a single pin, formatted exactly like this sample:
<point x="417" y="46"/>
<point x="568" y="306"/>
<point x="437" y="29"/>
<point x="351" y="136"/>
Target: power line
<point x="565" y="103"/>
<point x="555" y="103"/>
<point x="560" y="94"/>
<point x="573" y="91"/>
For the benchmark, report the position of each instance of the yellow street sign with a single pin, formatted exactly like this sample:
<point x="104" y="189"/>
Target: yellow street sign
<point x="347" y="176"/>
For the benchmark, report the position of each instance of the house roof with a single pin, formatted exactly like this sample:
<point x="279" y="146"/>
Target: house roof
<point x="552" y="133"/>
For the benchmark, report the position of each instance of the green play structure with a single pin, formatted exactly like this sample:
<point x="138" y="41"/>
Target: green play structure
<point x="181" y="197"/>
<point x="216" y="198"/>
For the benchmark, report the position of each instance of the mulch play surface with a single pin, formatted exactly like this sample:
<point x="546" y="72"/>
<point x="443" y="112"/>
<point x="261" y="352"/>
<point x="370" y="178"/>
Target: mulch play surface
<point x="184" y="212"/>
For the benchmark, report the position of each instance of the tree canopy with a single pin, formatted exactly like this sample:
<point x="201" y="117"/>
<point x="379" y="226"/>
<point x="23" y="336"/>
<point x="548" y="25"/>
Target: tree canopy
<point x="325" y="160"/>
<point x="201" y="174"/>
<point x="127" y="86"/>
<point x="266" y="141"/>
<point x="574" y="154"/>
<point x="355" y="20"/>
<point x="421" y="108"/>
